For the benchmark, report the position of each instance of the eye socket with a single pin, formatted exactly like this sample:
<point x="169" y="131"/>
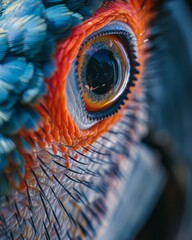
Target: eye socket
<point x="102" y="74"/>
<point x="105" y="69"/>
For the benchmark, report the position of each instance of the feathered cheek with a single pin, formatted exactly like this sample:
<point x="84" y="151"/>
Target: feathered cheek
<point x="98" y="72"/>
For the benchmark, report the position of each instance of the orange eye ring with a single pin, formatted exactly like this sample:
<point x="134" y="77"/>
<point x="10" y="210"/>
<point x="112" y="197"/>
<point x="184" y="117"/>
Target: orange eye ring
<point x="105" y="72"/>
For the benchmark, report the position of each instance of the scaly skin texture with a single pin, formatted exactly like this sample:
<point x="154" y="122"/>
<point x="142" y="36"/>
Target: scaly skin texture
<point x="71" y="176"/>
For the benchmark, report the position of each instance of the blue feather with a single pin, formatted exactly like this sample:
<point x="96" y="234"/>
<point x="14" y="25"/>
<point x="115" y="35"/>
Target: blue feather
<point x="6" y="145"/>
<point x="59" y="18"/>
<point x="3" y="43"/>
<point x="34" y="36"/>
<point x="24" y="79"/>
<point x="19" y="161"/>
<point x="13" y="125"/>
<point x="5" y="85"/>
<point x="4" y="94"/>
<point x="74" y="5"/>
<point x="29" y="95"/>
<point x="25" y="145"/>
<point x="76" y="19"/>
<point x="50" y="44"/>
<point x="21" y="8"/>
<point x="16" y="177"/>
<point x="12" y="69"/>
<point x="15" y="28"/>
<point x="48" y="68"/>
<point x="3" y="163"/>
<point x="5" y="185"/>
<point x="16" y="158"/>
<point x="85" y="11"/>
<point x="5" y="116"/>
<point x="31" y="119"/>
<point x="94" y="5"/>
<point x="53" y="1"/>
<point x="37" y="79"/>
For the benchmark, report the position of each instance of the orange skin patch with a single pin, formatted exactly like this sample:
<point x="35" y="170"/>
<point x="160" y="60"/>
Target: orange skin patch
<point x="58" y="129"/>
<point x="62" y="128"/>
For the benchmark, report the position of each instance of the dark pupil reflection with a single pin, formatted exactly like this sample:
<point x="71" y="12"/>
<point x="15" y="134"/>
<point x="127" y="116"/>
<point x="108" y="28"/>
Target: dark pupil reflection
<point x="101" y="72"/>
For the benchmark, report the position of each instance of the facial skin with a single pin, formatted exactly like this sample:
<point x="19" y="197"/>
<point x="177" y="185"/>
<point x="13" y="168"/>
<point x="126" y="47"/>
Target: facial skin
<point x="73" y="176"/>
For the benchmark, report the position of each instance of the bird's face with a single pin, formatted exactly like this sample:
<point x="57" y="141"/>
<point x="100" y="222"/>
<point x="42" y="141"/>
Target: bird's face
<point x="93" y="114"/>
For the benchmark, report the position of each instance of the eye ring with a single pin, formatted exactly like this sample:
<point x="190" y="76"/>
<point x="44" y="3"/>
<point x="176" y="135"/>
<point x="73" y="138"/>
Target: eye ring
<point x="126" y="38"/>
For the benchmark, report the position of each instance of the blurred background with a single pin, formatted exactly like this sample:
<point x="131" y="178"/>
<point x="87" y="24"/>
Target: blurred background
<point x="164" y="211"/>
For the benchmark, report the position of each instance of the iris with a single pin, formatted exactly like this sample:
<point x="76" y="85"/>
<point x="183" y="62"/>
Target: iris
<point x="104" y="68"/>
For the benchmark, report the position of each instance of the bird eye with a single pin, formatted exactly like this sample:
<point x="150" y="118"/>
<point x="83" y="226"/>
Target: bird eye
<point x="104" y="69"/>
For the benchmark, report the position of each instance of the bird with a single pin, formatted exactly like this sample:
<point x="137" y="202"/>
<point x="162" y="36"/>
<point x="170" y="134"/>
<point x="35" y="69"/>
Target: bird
<point x="77" y="157"/>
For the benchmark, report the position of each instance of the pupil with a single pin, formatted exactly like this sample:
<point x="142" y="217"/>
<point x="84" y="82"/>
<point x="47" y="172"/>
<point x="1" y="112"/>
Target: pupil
<point x="101" y="72"/>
